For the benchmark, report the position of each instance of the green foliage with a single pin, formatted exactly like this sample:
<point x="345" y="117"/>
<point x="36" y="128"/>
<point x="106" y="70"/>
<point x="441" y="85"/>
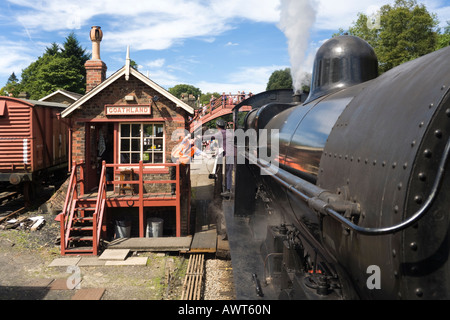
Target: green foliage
<point x="280" y="79"/>
<point x="444" y="38"/>
<point x="58" y="68"/>
<point x="406" y="31"/>
<point x="206" y="97"/>
<point x="180" y="89"/>
<point x="11" y="86"/>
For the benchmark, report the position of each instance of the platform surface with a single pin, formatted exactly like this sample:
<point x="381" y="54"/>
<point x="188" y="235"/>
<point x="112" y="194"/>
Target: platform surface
<point x="152" y="244"/>
<point x="114" y="254"/>
<point x="204" y="241"/>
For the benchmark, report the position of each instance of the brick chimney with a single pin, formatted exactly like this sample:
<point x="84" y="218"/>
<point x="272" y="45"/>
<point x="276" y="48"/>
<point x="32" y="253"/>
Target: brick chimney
<point x="95" y="68"/>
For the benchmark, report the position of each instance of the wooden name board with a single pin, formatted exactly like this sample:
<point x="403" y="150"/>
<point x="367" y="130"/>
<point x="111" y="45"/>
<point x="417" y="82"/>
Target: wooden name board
<point x="128" y="110"/>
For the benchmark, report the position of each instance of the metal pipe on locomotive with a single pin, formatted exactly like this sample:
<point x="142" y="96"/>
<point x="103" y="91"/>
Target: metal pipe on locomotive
<point x="360" y="182"/>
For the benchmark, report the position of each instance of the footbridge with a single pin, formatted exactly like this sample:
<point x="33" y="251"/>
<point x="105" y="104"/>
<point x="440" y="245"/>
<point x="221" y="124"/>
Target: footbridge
<point x="216" y="109"/>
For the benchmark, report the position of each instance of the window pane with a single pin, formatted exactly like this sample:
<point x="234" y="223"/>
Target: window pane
<point x="158" y="158"/>
<point x="135" y="158"/>
<point x="124" y="158"/>
<point x="124" y="130"/>
<point x="124" y="145"/>
<point x="148" y="144"/>
<point x="148" y="130"/>
<point x="158" y="143"/>
<point x="159" y="130"/>
<point x="136" y="130"/>
<point x="135" y="144"/>
<point x="147" y="158"/>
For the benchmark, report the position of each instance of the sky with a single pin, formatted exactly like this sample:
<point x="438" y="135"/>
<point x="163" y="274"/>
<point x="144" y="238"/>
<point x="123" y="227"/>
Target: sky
<point x="214" y="45"/>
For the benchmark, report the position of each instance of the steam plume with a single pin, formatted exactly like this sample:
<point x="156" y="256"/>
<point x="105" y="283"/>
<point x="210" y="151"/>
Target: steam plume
<point x="297" y="18"/>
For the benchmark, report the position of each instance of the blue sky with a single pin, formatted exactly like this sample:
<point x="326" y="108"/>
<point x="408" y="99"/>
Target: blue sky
<point x="215" y="45"/>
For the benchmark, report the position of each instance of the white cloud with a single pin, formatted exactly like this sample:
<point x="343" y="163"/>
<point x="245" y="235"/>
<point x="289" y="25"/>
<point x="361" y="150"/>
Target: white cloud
<point x="158" y="25"/>
<point x="150" y="24"/>
<point x="158" y="63"/>
<point x="332" y="15"/>
<point x="15" y="56"/>
<point x="441" y="8"/>
<point x="248" y="79"/>
<point x="255" y="10"/>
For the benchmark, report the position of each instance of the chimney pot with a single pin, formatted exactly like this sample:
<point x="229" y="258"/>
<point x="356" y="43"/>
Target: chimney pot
<point x="96" y="36"/>
<point x="95" y="68"/>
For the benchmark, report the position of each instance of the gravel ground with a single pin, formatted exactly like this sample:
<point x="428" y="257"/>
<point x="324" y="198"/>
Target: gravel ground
<point x="25" y="256"/>
<point x="219" y="280"/>
<point x="24" y="273"/>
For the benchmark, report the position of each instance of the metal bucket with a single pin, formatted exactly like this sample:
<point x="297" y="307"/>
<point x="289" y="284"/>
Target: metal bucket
<point x="154" y="227"/>
<point x="122" y="229"/>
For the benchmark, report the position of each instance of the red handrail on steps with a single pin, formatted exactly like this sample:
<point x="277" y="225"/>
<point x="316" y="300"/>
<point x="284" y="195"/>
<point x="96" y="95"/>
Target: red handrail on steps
<point x="65" y="217"/>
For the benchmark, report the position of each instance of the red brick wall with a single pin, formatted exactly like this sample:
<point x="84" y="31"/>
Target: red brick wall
<point x="163" y="110"/>
<point x="95" y="73"/>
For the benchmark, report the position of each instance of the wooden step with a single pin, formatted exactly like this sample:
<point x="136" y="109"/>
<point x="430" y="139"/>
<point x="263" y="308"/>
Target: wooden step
<point x="82" y="218"/>
<point x="81" y="238"/>
<point x="85" y="209"/>
<point x="79" y="250"/>
<point x="82" y="228"/>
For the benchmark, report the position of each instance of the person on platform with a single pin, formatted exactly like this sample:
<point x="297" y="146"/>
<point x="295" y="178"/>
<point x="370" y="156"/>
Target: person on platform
<point x="227" y="154"/>
<point x="182" y="154"/>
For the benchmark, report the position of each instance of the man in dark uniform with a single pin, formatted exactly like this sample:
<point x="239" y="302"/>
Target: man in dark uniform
<point x="227" y="146"/>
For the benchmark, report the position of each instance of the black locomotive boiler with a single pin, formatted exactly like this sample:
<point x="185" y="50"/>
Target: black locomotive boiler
<point x="356" y="203"/>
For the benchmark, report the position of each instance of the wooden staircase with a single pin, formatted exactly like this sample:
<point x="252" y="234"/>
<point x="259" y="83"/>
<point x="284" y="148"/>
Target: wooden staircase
<point x="80" y="235"/>
<point x="81" y="219"/>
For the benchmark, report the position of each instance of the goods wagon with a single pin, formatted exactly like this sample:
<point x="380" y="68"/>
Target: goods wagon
<point x="33" y="143"/>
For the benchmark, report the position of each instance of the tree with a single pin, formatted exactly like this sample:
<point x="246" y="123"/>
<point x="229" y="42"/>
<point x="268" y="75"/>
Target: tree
<point x="181" y="89"/>
<point x="205" y="98"/>
<point x="50" y="73"/>
<point x="444" y="38"/>
<point x="58" y="68"/>
<point x="11" y="86"/>
<point x="53" y="50"/>
<point x="280" y="79"/>
<point x="405" y="32"/>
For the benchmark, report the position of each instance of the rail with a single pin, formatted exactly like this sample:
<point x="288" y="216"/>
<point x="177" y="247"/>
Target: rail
<point x="193" y="282"/>
<point x="216" y="110"/>
<point x="140" y="170"/>
<point x="99" y="209"/>
<point x="74" y="190"/>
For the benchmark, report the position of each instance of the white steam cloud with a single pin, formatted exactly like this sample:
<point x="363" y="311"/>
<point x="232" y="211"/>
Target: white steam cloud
<point x="296" y="19"/>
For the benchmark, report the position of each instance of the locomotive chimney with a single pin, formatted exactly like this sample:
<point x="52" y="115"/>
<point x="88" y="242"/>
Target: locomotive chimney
<point x="95" y="68"/>
<point x="297" y="97"/>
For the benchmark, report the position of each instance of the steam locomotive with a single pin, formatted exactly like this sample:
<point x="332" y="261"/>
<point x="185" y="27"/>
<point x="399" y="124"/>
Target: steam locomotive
<point x="355" y="204"/>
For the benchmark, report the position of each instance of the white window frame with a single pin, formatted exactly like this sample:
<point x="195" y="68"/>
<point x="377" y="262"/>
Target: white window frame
<point x="141" y="152"/>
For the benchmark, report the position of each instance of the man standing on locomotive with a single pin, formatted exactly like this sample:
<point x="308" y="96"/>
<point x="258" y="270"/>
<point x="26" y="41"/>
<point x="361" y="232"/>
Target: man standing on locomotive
<point x="227" y="153"/>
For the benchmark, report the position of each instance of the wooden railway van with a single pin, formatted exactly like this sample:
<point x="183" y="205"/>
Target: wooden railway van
<point x="33" y="141"/>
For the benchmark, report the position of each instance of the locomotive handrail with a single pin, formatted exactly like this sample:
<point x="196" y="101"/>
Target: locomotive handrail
<point x="310" y="194"/>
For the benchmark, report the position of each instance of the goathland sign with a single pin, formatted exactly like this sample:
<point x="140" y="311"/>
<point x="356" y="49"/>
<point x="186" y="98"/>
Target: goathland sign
<point x="135" y="110"/>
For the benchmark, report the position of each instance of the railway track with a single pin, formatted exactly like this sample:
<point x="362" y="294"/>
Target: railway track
<point x="208" y="279"/>
<point x="193" y="282"/>
<point x="10" y="202"/>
